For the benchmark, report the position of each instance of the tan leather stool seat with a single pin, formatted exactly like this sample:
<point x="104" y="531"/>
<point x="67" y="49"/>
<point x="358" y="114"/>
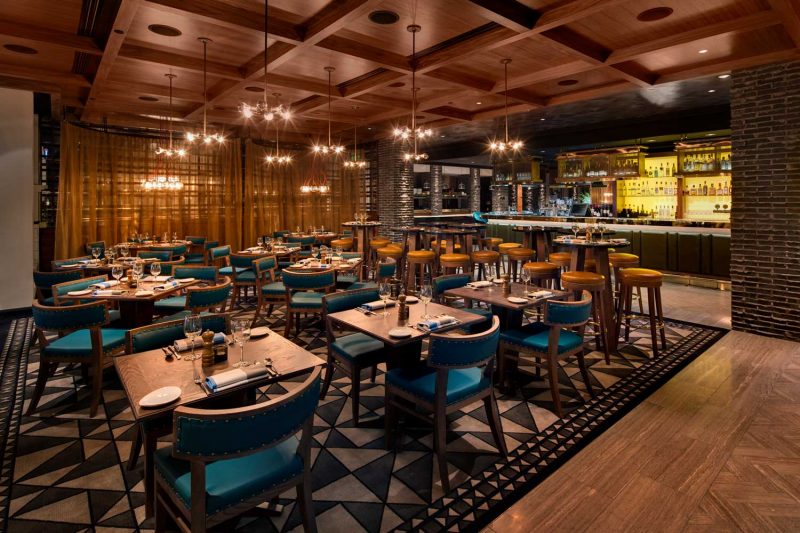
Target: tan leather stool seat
<point x="395" y="252"/>
<point x="582" y="277"/>
<point x="642" y="277"/>
<point x="379" y="242"/>
<point x="541" y="267"/>
<point x="454" y="258"/>
<point x="562" y="259"/>
<point x="421" y="255"/>
<point x="346" y="244"/>
<point x="485" y="256"/>
<point x="519" y="253"/>
<point x="493" y="242"/>
<point x="619" y="259"/>
<point x="506" y="246"/>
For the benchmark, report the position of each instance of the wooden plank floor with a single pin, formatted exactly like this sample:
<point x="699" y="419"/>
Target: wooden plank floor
<point x="715" y="449"/>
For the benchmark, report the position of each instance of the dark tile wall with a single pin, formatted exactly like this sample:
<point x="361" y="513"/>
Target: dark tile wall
<point x="395" y="188"/>
<point x="436" y="189"/>
<point x="765" y="222"/>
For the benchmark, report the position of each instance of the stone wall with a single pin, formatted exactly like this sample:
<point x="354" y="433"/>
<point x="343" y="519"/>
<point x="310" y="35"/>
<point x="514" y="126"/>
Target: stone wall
<point x="395" y="188"/>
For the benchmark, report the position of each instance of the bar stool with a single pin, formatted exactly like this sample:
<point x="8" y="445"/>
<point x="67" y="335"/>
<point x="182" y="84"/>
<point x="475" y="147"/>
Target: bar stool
<point x="503" y="249"/>
<point x="346" y="244"/>
<point x="421" y="259"/>
<point x="578" y="281"/>
<point x="491" y="243"/>
<point x="450" y="263"/>
<point x="393" y="251"/>
<point x="544" y="274"/>
<point x="562" y="259"/>
<point x="374" y="245"/>
<point x="517" y="257"/>
<point x="619" y="260"/>
<point x="650" y="280"/>
<point x="589" y="265"/>
<point x="484" y="259"/>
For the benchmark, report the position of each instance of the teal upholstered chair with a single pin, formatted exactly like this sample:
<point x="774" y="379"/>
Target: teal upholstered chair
<point x="280" y="234"/>
<point x="213" y="298"/>
<point x="193" y="257"/>
<point x="152" y="337"/>
<point x="348" y="279"/>
<point x="218" y="257"/>
<point x="559" y="336"/>
<point x="44" y="281"/>
<point x="96" y="244"/>
<point x="176" y="304"/>
<point x="269" y="291"/>
<point x="161" y="255"/>
<point x="223" y="463"/>
<point x="177" y="251"/>
<point x="458" y="372"/>
<point x="386" y="269"/>
<point x="353" y="352"/>
<point x="455" y="281"/>
<point x="58" y="263"/>
<point x="305" y="244"/>
<point x="60" y="290"/>
<point x="304" y="292"/>
<point x="82" y="339"/>
<point x="243" y="275"/>
<point x="167" y="267"/>
<point x="196" y="240"/>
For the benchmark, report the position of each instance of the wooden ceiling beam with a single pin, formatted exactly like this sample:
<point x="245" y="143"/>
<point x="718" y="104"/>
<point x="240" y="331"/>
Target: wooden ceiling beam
<point x="571" y="12"/>
<point x="508" y="13"/>
<point x="455" y="113"/>
<point x="122" y="22"/>
<point x="500" y="111"/>
<point x="463" y="45"/>
<point x="61" y="79"/>
<point x="789" y="11"/>
<point x="592" y="92"/>
<point x="153" y="89"/>
<point x="373" y="80"/>
<point x="718" y="66"/>
<point x="26" y="84"/>
<point x="561" y="71"/>
<point x="360" y="50"/>
<point x="457" y="77"/>
<point x="140" y="52"/>
<point x="526" y="98"/>
<point x="79" y="43"/>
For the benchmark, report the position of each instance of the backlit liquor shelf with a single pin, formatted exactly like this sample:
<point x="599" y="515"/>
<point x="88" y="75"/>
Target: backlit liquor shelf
<point x="691" y="183"/>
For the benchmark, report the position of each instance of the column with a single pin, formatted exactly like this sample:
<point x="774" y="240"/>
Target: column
<point x="765" y="218"/>
<point x="436" y="189"/>
<point x="500" y="200"/>
<point x="395" y="189"/>
<point x="475" y="189"/>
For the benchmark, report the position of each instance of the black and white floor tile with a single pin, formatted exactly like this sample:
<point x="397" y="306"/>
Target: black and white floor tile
<point x="63" y="471"/>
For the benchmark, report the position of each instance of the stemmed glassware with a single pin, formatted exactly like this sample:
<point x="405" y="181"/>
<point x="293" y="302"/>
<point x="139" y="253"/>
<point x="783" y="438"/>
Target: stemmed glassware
<point x="260" y="242"/>
<point x="526" y="278"/>
<point x="155" y="269"/>
<point x="138" y="270"/>
<point x="385" y="291"/>
<point x="116" y="272"/>
<point x="125" y="252"/>
<point x="96" y="253"/>
<point x="192" y="327"/>
<point x="575" y="229"/>
<point x="602" y="229"/>
<point x="425" y="294"/>
<point x="241" y="334"/>
<point x="174" y="236"/>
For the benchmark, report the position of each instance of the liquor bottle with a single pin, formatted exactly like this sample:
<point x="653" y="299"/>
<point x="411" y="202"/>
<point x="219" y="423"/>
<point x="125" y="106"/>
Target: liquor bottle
<point x="719" y="189"/>
<point x="673" y="169"/>
<point x="711" y="190"/>
<point x="725" y="189"/>
<point x="694" y="191"/>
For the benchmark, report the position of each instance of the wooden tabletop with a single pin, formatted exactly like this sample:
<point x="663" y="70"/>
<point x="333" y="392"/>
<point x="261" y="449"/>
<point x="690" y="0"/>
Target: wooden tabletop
<point x="343" y="266"/>
<point x="378" y="326"/>
<point x="361" y="224"/>
<point x="144" y="372"/>
<point x="129" y="294"/>
<point x="494" y="295"/>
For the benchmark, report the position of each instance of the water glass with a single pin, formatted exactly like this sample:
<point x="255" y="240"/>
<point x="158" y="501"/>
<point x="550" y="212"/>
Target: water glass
<point x="526" y="278"/>
<point x="174" y="236"/>
<point x="125" y="251"/>
<point x="116" y="272"/>
<point x="241" y="333"/>
<point x="155" y="269"/>
<point x="425" y="294"/>
<point x="192" y="328"/>
<point x="385" y="291"/>
<point x="260" y="242"/>
<point x="575" y="229"/>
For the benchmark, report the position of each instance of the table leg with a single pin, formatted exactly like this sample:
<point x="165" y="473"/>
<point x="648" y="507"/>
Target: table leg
<point x="405" y="355"/>
<point x="541" y="246"/>
<point x="136" y="313"/>
<point x="601" y="258"/>
<point x="578" y="258"/>
<point x="527" y="240"/>
<point x="449" y="243"/>
<point x="150" y="440"/>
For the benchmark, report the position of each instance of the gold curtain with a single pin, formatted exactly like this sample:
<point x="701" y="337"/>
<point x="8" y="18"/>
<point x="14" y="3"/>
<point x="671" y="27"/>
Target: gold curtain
<point x="272" y="197"/>
<point x="101" y="196"/>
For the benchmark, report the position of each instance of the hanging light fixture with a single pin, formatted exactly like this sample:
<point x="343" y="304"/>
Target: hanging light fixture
<point x="276" y="157"/>
<point x="355" y="162"/>
<point x="330" y="148"/>
<point x="413" y="134"/>
<point x="264" y="109"/>
<point x="169" y="150"/>
<point x="506" y="145"/>
<point x="205" y="137"/>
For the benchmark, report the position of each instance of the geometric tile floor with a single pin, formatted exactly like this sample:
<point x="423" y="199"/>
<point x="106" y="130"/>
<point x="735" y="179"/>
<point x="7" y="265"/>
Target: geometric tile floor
<point x="63" y="471"/>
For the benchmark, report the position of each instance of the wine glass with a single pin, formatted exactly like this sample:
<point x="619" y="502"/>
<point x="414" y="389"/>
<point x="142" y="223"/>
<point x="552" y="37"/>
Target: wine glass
<point x="241" y="333"/>
<point x="155" y="269"/>
<point x="138" y="270"/>
<point x="174" y="236"/>
<point x="425" y="294"/>
<point x="260" y="242"/>
<point x="526" y="278"/>
<point x="116" y="272"/>
<point x="109" y="253"/>
<point x="192" y="328"/>
<point x="384" y="291"/>
<point x="315" y="252"/>
<point x="95" y="253"/>
<point x="575" y="229"/>
<point x="602" y="229"/>
<point x="125" y="251"/>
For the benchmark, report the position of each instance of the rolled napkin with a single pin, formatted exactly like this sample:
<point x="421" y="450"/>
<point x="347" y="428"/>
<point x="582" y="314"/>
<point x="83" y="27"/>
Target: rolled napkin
<point x="479" y="284"/>
<point x="378" y="304"/>
<point x="434" y="323"/>
<point x="354" y="260"/>
<point x="541" y="294"/>
<point x="236" y="376"/>
<point x="183" y="344"/>
<point x="71" y="265"/>
<point x="142" y="292"/>
<point x="104" y="284"/>
<point x="107" y="292"/>
<point x="158" y="279"/>
<point x="167" y="285"/>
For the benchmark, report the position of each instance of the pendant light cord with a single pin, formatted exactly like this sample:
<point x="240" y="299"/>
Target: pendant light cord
<point x="414" y="88"/>
<point x="266" y="50"/>
<point x="505" y="93"/>
<point x="329" y="69"/>
<point x="205" y="92"/>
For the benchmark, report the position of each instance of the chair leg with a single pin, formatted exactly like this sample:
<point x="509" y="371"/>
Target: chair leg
<point x="41" y="381"/>
<point x="628" y="304"/>
<point x="136" y="448"/>
<point x="651" y="311"/>
<point x="602" y="326"/>
<point x="306" y="503"/>
<point x="374" y="373"/>
<point x="160" y="512"/>
<point x="641" y="300"/>
<point x="326" y="383"/>
<point x="493" y="415"/>
<point x="97" y="389"/>
<point x="270" y="309"/>
<point x="440" y="447"/>
<point x="288" y="328"/>
<point x="553" y="377"/>
<point x="355" y="393"/>
<point x="660" y="316"/>
<point x="585" y="373"/>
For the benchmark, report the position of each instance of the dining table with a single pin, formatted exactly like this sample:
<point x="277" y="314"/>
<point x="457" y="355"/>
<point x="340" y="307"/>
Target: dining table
<point x="363" y="232"/>
<point x="538" y="238"/>
<point x="144" y="372"/>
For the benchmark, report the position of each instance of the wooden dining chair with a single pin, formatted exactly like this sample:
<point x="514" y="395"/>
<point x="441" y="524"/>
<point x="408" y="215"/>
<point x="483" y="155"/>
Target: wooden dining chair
<point x="458" y="372"/>
<point x="44" y="281"/>
<point x="353" y="352"/>
<point x="82" y="338"/>
<point x="193" y="257"/>
<point x="269" y="290"/>
<point x="55" y="264"/>
<point x="60" y="291"/>
<point x="225" y="462"/>
<point x="304" y="292"/>
<point x="456" y="281"/>
<point x="161" y="255"/>
<point x="177" y="303"/>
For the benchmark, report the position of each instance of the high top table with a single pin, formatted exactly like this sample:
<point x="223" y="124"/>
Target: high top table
<point x="412" y="237"/>
<point x="363" y="232"/>
<point x="537" y="238"/>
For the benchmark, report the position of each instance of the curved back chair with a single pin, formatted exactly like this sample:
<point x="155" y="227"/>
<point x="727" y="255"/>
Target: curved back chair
<point x="168" y="267"/>
<point x="304" y="291"/>
<point x="218" y="256"/>
<point x="269" y="291"/>
<point x="242" y="273"/>
<point x="305" y="244"/>
<point x="353" y="352"/>
<point x="248" y="455"/>
<point x="61" y="289"/>
<point x="96" y="244"/>
<point x="458" y="372"/>
<point x="196" y="240"/>
<point x="559" y="336"/>
<point x="280" y="234"/>
<point x="455" y="281"/>
<point x="44" y="281"/>
<point x="385" y="269"/>
<point x="82" y="339"/>
<point x="213" y="298"/>
<point x="161" y="255"/>
<point x="205" y="273"/>
<point x="55" y="264"/>
<point x="196" y="254"/>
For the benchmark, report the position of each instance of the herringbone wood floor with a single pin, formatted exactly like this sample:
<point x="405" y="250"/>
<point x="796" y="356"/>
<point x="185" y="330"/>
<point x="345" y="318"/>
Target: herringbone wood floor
<point x="715" y="449"/>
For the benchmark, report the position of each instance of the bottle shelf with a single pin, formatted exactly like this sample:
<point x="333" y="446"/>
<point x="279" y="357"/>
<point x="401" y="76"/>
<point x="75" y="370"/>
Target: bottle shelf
<point x="706" y="195"/>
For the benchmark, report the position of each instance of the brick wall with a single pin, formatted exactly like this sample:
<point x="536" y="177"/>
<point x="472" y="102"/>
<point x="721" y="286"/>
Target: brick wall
<point x="475" y="189"/>
<point x="436" y="189"/>
<point x="395" y="187"/>
<point x="765" y="222"/>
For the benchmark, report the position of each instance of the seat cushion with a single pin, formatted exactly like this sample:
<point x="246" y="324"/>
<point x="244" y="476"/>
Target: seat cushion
<point x="357" y="347"/>
<point x="49" y="301"/>
<point x="346" y="278"/>
<point x="420" y="380"/>
<point x="171" y="304"/>
<point x="228" y="482"/>
<point x="228" y="270"/>
<point x="362" y="285"/>
<point x="195" y="259"/>
<point x="79" y="343"/>
<point x="114" y="315"/>
<point x="307" y="300"/>
<point x="535" y="337"/>
<point x="275" y="288"/>
<point x="246" y="276"/>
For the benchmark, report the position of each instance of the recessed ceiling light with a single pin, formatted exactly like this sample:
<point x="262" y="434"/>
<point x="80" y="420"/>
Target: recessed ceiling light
<point x="383" y="16"/>
<point x="650" y="140"/>
<point x="703" y="51"/>
<point x="710" y="134"/>
<point x="542" y="119"/>
<point x="20" y="49"/>
<point x="478" y="103"/>
<point x="254" y="89"/>
<point x="369" y="129"/>
<point x="724" y="76"/>
<point x="656" y="13"/>
<point x="442" y="136"/>
<point x="148" y="98"/>
<point x="712" y="90"/>
<point x="567" y="83"/>
<point x="166" y="31"/>
<point x="397" y="84"/>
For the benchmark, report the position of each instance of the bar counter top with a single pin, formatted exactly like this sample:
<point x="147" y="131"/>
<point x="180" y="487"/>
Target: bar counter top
<point x="617" y="224"/>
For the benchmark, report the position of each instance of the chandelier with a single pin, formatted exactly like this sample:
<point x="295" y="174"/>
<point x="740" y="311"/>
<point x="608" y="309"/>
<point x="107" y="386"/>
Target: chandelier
<point x="169" y="150"/>
<point x="355" y="162"/>
<point x="330" y="148"/>
<point x="276" y="157"/>
<point x="264" y="109"/>
<point x="204" y="136"/>
<point x="506" y="145"/>
<point x="162" y="183"/>
<point x="413" y="133"/>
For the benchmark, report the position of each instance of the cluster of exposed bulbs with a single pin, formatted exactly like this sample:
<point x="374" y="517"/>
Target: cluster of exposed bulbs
<point x="406" y="133"/>
<point x="322" y="189"/>
<point x="264" y="110"/>
<point x="278" y="159"/>
<point x="205" y="138"/>
<point x="171" y="152"/>
<point x="355" y="164"/>
<point x="415" y="157"/>
<point x="500" y="146"/>
<point x="162" y="183"/>
<point x="325" y="150"/>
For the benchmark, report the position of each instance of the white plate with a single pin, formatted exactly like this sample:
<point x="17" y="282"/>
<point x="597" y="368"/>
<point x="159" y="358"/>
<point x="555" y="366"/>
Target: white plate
<point x="517" y="300"/>
<point x="259" y="332"/>
<point x="411" y="299"/>
<point x="159" y="397"/>
<point x="399" y="333"/>
<point x="185" y="280"/>
<point x="80" y="293"/>
<point x="497" y="281"/>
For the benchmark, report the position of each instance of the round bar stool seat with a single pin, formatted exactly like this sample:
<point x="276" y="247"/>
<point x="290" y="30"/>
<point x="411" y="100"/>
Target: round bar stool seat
<point x="418" y="260"/>
<point x="483" y="259"/>
<point x="619" y="260"/>
<point x="345" y="244"/>
<point x="651" y="280"/>
<point x="595" y="284"/>
<point x="518" y="256"/>
<point x="543" y="274"/>
<point x="442" y="245"/>
<point x="450" y="263"/>
<point x="374" y="244"/>
<point x="491" y="243"/>
<point x="562" y="259"/>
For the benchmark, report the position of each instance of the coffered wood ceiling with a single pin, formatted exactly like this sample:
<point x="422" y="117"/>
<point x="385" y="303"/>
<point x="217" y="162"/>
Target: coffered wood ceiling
<point x="98" y="58"/>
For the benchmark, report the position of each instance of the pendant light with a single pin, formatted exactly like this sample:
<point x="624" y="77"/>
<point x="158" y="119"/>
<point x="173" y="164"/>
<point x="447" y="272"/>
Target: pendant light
<point x="169" y="150"/>
<point x="330" y="148"/>
<point x="276" y="157"/>
<point x="263" y="109"/>
<point x="165" y="181"/>
<point x="205" y="137"/>
<point x="413" y="133"/>
<point x="506" y="145"/>
<point x="355" y="162"/>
